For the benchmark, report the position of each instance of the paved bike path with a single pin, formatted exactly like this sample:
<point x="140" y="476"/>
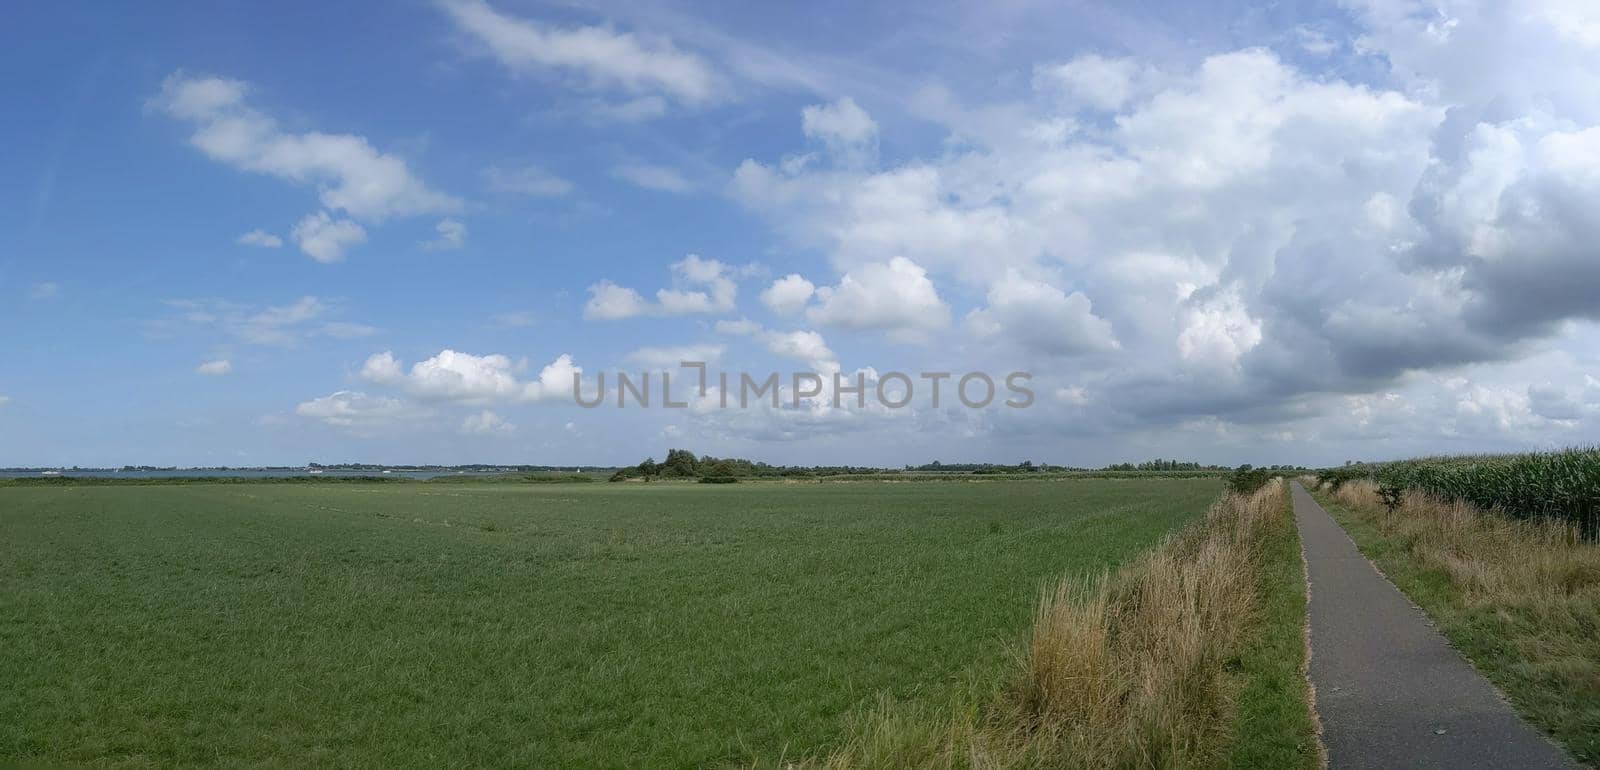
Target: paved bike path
<point x="1390" y="691"/>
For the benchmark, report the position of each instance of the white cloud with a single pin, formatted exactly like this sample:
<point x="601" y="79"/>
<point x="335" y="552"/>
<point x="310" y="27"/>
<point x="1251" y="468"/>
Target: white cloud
<point x="807" y="346"/>
<point x="1092" y="80"/>
<point x="699" y="286"/>
<point x="526" y="180"/>
<point x="716" y="295"/>
<point x="349" y="174"/>
<point x="844" y="128"/>
<point x="600" y="57"/>
<point x="486" y="423"/>
<point x="610" y="302"/>
<point x="1200" y="216"/>
<point x="1314" y="41"/>
<point x="670" y="357"/>
<point x="1218" y="331"/>
<point x="653" y="177"/>
<point x="215" y="368"/>
<point x="471" y="379"/>
<point x="788" y="295"/>
<point x="896" y="296"/>
<point x="452" y="235"/>
<point x="359" y="411"/>
<point x="324" y="238"/>
<point x="260" y="238"/>
<point x="1041" y="317"/>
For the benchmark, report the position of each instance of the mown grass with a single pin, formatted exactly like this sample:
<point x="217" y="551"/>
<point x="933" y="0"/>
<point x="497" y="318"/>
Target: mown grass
<point x="1520" y="599"/>
<point x="1191" y="656"/>
<point x="530" y="625"/>
<point x="1274" y="726"/>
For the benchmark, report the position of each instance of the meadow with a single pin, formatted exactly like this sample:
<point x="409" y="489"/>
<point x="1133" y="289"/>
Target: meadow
<point x="666" y="624"/>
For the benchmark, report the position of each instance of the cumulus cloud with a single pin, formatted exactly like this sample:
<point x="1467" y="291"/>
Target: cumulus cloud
<point x="1192" y="231"/>
<point x="596" y="58"/>
<point x="1217" y="331"/>
<point x="1041" y="317"/>
<point x="1093" y="81"/>
<point x="465" y="378"/>
<point x="802" y="345"/>
<point x="788" y="295"/>
<point x="700" y="286"/>
<point x="610" y="302"/>
<point x="358" y="411"/>
<point x="348" y="173"/>
<point x="324" y="238"/>
<point x="452" y="235"/>
<point x="846" y="130"/>
<point x="486" y="423"/>
<point x="260" y="238"/>
<point x="895" y="296"/>
<point x="215" y="368"/>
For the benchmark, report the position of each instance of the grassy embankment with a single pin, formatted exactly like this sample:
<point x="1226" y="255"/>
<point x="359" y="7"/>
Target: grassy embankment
<point x="1192" y="656"/>
<point x="1519" y="597"/>
<point x="554" y="625"/>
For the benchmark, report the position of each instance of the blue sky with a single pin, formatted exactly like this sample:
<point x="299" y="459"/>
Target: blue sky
<point x="278" y="233"/>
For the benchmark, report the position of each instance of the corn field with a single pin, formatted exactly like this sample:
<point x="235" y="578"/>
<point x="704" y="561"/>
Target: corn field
<point x="1563" y="485"/>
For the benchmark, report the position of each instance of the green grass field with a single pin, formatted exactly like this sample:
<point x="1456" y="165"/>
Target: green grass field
<point x="538" y="625"/>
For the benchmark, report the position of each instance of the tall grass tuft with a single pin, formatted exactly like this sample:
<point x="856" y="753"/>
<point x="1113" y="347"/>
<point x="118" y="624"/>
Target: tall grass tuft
<point x="1134" y="670"/>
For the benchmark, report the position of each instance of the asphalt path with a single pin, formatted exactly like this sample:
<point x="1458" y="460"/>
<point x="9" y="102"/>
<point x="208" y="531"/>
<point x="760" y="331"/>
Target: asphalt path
<point x="1390" y="691"/>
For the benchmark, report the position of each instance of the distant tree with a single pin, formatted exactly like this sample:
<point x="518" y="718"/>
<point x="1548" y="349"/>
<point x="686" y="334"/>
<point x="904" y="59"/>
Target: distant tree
<point x="680" y="463"/>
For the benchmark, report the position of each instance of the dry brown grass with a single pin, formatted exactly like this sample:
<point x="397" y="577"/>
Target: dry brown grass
<point x="1131" y="671"/>
<point x="1493" y="560"/>
<point x="1520" y="597"/>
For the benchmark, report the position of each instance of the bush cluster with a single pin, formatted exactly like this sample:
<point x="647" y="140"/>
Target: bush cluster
<point x="1246" y="479"/>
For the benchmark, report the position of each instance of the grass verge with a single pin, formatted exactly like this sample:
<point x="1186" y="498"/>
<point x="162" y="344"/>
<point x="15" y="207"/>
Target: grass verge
<point x="1275" y="727"/>
<point x="1521" y="599"/>
<point x="1190" y="657"/>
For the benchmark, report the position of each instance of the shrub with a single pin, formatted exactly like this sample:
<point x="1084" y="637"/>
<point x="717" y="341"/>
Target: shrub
<point x="1247" y="479"/>
<point x="1333" y="478"/>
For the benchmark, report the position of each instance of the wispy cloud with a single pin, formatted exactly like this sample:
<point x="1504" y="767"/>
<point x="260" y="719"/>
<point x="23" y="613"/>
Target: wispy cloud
<point x="349" y="174"/>
<point x="599" y="58"/>
<point x="260" y="238"/>
<point x="215" y="368"/>
<point x="525" y="180"/>
<point x="276" y="325"/>
<point x="653" y="177"/>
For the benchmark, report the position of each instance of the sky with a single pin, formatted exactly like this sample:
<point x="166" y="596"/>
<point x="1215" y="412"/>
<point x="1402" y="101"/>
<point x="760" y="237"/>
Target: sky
<point x="279" y="233"/>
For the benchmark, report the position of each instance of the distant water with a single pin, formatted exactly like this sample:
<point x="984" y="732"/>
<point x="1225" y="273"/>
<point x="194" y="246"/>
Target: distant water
<point x="237" y="474"/>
